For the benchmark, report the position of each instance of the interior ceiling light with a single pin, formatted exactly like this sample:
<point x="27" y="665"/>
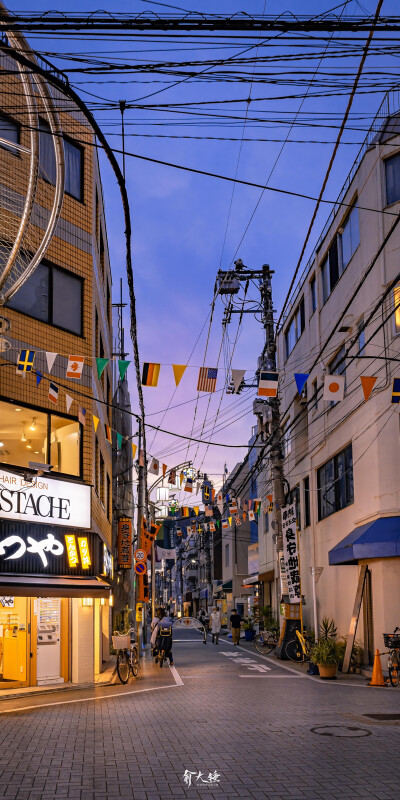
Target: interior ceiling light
<point x="1" y="444"/>
<point x="17" y="409"/>
<point x="23" y="437"/>
<point x="29" y="446"/>
<point x="33" y="426"/>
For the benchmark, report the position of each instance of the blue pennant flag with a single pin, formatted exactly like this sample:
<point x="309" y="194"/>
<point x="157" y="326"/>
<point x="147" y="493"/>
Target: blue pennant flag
<point x="301" y="379"/>
<point x="39" y="377"/>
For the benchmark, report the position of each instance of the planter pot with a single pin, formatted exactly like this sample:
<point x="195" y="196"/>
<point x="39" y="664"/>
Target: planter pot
<point x="327" y="671"/>
<point x="249" y="636"/>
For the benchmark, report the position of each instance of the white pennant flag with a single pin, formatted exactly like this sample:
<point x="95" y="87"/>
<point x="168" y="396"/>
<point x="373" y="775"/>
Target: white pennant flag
<point x="68" y="401"/>
<point x="50" y="358"/>
<point x="237" y="377"/>
<point x="220" y="502"/>
<point x="334" y="387"/>
<point x="154" y="466"/>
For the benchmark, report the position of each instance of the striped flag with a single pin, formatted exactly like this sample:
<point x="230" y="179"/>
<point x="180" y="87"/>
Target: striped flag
<point x="207" y="379"/>
<point x="396" y="390"/>
<point x="53" y="393"/>
<point x="189" y="485"/>
<point x="82" y="415"/>
<point x="108" y="433"/>
<point x="225" y="523"/>
<point x="75" y="367"/>
<point x="268" y="384"/>
<point x="150" y="374"/>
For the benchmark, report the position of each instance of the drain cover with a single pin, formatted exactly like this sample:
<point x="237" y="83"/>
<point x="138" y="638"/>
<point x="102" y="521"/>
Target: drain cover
<point x="343" y="731"/>
<point x="382" y="716"/>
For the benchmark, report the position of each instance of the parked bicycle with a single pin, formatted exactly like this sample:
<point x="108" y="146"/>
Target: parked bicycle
<point x="266" y="641"/>
<point x="127" y="654"/>
<point x="392" y="641"/>
<point x="299" y="649"/>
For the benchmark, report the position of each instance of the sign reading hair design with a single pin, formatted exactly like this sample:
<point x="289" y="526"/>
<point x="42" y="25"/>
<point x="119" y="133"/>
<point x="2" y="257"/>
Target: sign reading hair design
<point x="44" y="500"/>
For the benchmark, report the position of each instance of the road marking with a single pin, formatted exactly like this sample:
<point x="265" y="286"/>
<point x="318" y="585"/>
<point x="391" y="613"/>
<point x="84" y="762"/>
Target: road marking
<point x="177" y="677"/>
<point x="87" y="699"/>
<point x="285" y="677"/>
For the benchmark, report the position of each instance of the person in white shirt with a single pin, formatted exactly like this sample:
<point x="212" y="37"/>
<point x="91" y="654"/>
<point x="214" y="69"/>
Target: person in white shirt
<point x="215" y="624"/>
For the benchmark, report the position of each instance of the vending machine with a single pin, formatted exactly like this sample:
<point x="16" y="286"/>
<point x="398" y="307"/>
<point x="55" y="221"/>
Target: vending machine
<point x="48" y="640"/>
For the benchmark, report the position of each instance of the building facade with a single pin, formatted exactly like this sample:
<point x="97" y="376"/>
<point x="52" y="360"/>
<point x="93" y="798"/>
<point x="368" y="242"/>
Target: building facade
<point x="55" y="519"/>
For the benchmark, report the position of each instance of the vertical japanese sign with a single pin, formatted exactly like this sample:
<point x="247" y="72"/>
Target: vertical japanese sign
<point x="291" y="553"/>
<point x="282" y="570"/>
<point x="124" y="543"/>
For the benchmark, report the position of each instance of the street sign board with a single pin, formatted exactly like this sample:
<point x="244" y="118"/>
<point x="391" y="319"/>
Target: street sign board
<point x="140" y="555"/>
<point x="140" y="568"/>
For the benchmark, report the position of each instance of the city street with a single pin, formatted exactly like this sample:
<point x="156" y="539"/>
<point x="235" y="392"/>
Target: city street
<point x="225" y="723"/>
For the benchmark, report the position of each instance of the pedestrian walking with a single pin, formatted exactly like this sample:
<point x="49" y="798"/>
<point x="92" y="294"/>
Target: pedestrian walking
<point x="154" y="622"/>
<point x="235" y="621"/>
<point x="215" y="624"/>
<point x="164" y="636"/>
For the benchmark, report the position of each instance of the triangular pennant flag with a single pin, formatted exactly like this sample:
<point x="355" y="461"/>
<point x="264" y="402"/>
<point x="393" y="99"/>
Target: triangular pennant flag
<point x="122" y="366"/>
<point x="181" y="476"/>
<point x="68" y="401"/>
<point x="164" y="469"/>
<point x="301" y="380"/>
<point x="119" y="441"/>
<point x="101" y="365"/>
<point x="39" y="377"/>
<point x="134" y="448"/>
<point x="196" y="510"/>
<point x="50" y="358"/>
<point x="230" y="520"/>
<point x="244" y="516"/>
<point x="367" y="382"/>
<point x="95" y="422"/>
<point x="237" y="377"/>
<point x="107" y="431"/>
<point x="179" y="369"/>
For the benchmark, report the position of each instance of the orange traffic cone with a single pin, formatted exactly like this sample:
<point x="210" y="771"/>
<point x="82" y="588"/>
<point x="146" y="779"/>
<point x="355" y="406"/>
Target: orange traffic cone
<point x="377" y="674"/>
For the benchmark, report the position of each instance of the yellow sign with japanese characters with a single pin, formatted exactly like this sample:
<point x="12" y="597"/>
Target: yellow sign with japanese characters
<point x="84" y="551"/>
<point x="72" y="550"/>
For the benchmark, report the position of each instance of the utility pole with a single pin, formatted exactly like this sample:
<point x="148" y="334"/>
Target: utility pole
<point x="140" y="515"/>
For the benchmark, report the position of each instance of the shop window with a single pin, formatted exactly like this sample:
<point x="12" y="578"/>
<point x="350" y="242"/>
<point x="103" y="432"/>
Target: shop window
<point x="340" y="252"/>
<point x="286" y="439"/>
<point x="313" y="294"/>
<point x="335" y="483"/>
<point x="307" y="505"/>
<point x="52" y="295"/>
<point x="73" y="156"/>
<point x="392" y="175"/>
<point x="295" y="328"/>
<point x="27" y="434"/>
<point x="10" y="130"/>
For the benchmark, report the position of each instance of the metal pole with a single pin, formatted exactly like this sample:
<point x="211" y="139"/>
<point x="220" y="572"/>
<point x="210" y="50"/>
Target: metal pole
<point x="140" y="515"/>
<point x="122" y="107"/>
<point x="153" y="580"/>
<point x="314" y="591"/>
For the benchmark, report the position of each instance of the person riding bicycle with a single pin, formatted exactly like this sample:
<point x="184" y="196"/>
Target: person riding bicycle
<point x="159" y="612"/>
<point x="164" y="636"/>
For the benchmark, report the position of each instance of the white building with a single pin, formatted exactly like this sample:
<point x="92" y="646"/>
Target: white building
<point x="341" y="459"/>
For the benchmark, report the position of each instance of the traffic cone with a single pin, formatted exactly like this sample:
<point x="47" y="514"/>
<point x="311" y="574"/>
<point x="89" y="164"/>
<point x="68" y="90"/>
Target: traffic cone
<point x="377" y="674"/>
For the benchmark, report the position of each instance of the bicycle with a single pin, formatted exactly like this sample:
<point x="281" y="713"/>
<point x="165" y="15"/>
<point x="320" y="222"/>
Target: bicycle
<point x="298" y="649"/>
<point x="127" y="655"/>
<point x="266" y="641"/>
<point x="392" y="641"/>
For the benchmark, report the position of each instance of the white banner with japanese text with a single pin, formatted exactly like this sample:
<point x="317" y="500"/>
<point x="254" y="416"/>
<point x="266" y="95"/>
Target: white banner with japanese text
<point x="291" y="553"/>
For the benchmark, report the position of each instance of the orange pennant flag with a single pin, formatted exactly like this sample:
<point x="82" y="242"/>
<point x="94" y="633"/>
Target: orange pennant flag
<point x="95" y="422"/>
<point x="134" y="448"/>
<point x="244" y="516"/>
<point x="164" y="469"/>
<point x="368" y="382"/>
<point x="179" y="369"/>
<point x="182" y="477"/>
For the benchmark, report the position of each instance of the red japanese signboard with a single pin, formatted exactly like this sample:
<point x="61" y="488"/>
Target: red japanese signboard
<point x="124" y="543"/>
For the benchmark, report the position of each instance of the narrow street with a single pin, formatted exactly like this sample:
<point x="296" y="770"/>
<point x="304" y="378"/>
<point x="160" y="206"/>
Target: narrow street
<point x="258" y="728"/>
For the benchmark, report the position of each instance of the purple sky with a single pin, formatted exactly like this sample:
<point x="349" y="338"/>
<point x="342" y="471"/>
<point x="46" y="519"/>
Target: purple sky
<point x="183" y="231"/>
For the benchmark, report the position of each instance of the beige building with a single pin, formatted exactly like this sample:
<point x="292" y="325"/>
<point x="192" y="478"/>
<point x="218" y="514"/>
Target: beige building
<point x="341" y="459"/>
<point x="55" y="529"/>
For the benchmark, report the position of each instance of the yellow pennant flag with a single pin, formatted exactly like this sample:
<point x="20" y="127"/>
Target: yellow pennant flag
<point x="95" y="422"/>
<point x="196" y="509"/>
<point x="134" y="448"/>
<point x="230" y="521"/>
<point x="179" y="369"/>
<point x="181" y="477"/>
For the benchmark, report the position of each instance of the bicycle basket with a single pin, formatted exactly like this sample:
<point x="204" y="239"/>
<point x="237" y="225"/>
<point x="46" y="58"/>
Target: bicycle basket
<point x="392" y="640"/>
<point x="121" y="641"/>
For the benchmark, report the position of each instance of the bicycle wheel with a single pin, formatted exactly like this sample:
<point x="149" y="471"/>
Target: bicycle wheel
<point x="161" y="657"/>
<point x="135" y="662"/>
<point x="265" y="642"/>
<point x="394" y="671"/>
<point x="123" y="666"/>
<point x="294" y="652"/>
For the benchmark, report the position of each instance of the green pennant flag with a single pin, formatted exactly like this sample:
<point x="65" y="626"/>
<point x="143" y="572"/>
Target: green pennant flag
<point x="101" y="365"/>
<point x="218" y="523"/>
<point x="123" y="366"/>
<point x="119" y="440"/>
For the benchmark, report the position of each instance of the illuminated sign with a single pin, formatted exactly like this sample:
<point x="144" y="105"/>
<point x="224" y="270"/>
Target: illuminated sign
<point x="84" y="551"/>
<point x="124" y="543"/>
<point x="72" y="551"/>
<point x="44" y="500"/>
<point x="14" y="547"/>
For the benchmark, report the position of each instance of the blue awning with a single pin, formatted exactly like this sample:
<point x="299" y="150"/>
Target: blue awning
<point x="377" y="539"/>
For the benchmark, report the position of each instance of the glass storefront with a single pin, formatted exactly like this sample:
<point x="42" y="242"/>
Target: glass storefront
<point x="14" y="616"/>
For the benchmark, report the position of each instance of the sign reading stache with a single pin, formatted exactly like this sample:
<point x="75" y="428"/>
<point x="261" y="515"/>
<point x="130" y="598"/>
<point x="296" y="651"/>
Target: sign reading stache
<point x="40" y="506"/>
<point x="51" y="501"/>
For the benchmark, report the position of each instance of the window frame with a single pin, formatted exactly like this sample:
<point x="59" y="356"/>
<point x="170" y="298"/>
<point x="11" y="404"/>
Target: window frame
<point x="313" y="294"/>
<point x="297" y="316"/>
<point x="396" y="328"/>
<point x="307" y="503"/>
<point x="79" y="147"/>
<point x="385" y="160"/>
<point x="50" y="413"/>
<point x="11" y="148"/>
<point x="339" y="505"/>
<point x="50" y="266"/>
<point x="336" y="244"/>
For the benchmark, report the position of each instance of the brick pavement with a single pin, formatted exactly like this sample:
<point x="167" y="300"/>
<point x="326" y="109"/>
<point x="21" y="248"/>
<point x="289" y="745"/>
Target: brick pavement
<point x="254" y="731"/>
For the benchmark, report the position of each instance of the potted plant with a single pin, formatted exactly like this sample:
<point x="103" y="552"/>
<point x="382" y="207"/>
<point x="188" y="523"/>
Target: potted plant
<point x="326" y="654"/>
<point x="248" y="627"/>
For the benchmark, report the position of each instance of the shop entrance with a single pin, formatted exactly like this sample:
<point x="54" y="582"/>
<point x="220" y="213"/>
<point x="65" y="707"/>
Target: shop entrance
<point x="14" y="634"/>
<point x="48" y="664"/>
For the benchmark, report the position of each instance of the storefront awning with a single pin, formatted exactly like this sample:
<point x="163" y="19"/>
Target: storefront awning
<point x="251" y="580"/>
<point x="377" y="539"/>
<point x="227" y="586"/>
<point x="43" y="586"/>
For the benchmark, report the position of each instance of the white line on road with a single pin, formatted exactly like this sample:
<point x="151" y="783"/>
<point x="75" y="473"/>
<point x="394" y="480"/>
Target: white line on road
<point x="177" y="677"/>
<point x="264" y="675"/>
<point x="86" y="699"/>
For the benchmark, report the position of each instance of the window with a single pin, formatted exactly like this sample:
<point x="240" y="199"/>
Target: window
<point x="109" y="507"/>
<point x="102" y="255"/>
<point x="294" y="496"/>
<point x="335" y="483"/>
<point x="315" y="394"/>
<point x="9" y="130"/>
<point x="313" y="294"/>
<point x="73" y="156"/>
<point x="286" y="439"/>
<point x="392" y="175"/>
<point x="361" y="338"/>
<point x="307" y="507"/>
<point x="52" y="295"/>
<point x="96" y="467"/>
<point x="30" y="435"/>
<point x="227" y="555"/>
<point x="102" y="480"/>
<point x="396" y="302"/>
<point x="340" y="252"/>
<point x="295" y="328"/>
<point x="109" y="307"/>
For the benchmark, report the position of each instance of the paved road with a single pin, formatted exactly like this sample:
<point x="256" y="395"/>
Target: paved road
<point x="262" y="732"/>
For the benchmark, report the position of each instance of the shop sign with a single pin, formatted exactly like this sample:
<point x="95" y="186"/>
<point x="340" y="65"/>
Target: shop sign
<point x="7" y="602"/>
<point x="139" y="612"/>
<point x="291" y="552"/>
<point x="124" y="543"/>
<point x="15" y="546"/>
<point x="282" y="572"/>
<point x="44" y="500"/>
<point x="84" y="552"/>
